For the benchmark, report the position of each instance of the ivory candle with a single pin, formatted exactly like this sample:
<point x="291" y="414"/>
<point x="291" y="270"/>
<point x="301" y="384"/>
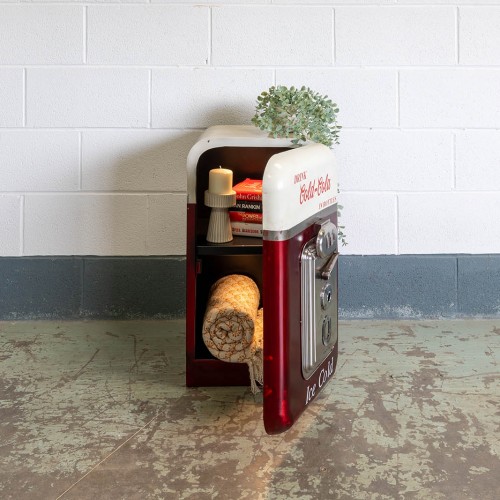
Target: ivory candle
<point x="220" y="181"/>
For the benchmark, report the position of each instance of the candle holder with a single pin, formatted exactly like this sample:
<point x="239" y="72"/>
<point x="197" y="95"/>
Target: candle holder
<point x="219" y="226"/>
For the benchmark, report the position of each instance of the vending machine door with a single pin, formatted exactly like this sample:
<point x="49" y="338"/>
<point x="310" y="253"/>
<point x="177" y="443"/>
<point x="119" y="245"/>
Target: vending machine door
<point x="300" y="277"/>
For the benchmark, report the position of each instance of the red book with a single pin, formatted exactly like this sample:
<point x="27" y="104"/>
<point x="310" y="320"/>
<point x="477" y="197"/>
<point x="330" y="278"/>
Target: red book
<point x="249" y="189"/>
<point x="246" y="217"/>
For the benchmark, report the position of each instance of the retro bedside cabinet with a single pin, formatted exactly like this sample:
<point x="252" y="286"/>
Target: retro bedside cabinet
<point x="294" y="266"/>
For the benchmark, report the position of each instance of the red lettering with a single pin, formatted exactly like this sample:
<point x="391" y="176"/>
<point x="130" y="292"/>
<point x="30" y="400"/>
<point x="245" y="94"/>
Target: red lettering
<point x="308" y="192"/>
<point x="301" y="176"/>
<point x="323" y="185"/>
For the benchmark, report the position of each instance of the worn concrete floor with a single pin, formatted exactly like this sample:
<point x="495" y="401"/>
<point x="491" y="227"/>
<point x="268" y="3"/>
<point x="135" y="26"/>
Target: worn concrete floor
<point x="99" y="410"/>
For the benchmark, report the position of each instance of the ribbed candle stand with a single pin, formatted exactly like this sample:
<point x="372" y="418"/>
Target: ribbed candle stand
<point x="219" y="226"/>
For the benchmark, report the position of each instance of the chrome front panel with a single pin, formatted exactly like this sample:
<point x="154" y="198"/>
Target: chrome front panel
<point x="319" y="298"/>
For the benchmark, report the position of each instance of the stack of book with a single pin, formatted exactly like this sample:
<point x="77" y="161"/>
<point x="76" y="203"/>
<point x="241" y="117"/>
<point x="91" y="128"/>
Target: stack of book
<point x="246" y="215"/>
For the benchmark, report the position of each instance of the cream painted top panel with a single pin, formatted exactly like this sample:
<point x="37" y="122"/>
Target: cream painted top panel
<point x="298" y="184"/>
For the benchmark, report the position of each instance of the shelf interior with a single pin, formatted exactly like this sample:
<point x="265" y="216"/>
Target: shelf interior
<point x="239" y="245"/>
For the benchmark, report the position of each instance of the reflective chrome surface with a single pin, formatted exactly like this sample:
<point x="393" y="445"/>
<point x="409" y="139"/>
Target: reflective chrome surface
<point x="318" y="298"/>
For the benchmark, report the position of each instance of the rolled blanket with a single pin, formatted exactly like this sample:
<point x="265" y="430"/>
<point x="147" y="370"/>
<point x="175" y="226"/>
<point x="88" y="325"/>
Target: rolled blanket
<point x="232" y="326"/>
<point x="255" y="359"/>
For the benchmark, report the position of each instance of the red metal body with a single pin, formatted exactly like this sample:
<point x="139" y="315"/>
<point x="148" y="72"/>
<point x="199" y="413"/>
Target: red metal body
<point x="286" y="392"/>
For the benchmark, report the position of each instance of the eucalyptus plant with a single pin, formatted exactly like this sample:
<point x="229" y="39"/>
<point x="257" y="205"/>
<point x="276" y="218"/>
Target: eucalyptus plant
<point x="301" y="114"/>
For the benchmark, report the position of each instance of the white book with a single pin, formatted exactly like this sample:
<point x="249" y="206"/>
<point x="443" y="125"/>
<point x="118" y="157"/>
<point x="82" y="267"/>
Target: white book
<point x="246" y="229"/>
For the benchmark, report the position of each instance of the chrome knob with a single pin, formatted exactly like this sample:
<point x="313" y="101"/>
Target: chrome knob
<point x="327" y="330"/>
<point x="326" y="295"/>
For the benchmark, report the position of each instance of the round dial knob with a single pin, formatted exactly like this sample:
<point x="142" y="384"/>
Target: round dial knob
<point x="326" y="295"/>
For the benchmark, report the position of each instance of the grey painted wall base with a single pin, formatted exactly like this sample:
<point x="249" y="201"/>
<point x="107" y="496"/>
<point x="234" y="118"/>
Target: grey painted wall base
<point x="419" y="286"/>
<point x="92" y="287"/>
<point x="388" y="287"/>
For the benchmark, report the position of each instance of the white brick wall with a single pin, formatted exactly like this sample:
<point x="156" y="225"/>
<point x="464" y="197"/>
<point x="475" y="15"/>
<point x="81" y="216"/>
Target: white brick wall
<point x="41" y="34"/>
<point x="87" y="97"/>
<point x="389" y="36"/>
<point x="478" y="150"/>
<point x="100" y="101"/>
<point x="11" y="97"/>
<point x="449" y="223"/>
<point x="39" y="160"/>
<point x="408" y="160"/>
<point x="128" y="160"/>
<point x="278" y="36"/>
<point x="479" y="29"/>
<point x="368" y="97"/>
<point x="454" y="98"/>
<point x="374" y="217"/>
<point x="225" y="96"/>
<point x="10" y="224"/>
<point x="147" y="35"/>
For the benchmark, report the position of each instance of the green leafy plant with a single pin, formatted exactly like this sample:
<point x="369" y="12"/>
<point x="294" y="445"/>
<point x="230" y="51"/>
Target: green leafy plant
<point x="301" y="114"/>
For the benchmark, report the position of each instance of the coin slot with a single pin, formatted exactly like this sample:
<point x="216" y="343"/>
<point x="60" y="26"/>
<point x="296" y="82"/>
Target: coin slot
<point x="327" y="330"/>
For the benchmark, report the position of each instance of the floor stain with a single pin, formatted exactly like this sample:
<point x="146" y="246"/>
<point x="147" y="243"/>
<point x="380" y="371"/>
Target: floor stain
<point x="99" y="409"/>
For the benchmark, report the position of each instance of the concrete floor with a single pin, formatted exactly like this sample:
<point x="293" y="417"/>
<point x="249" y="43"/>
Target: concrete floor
<point x="99" y="410"/>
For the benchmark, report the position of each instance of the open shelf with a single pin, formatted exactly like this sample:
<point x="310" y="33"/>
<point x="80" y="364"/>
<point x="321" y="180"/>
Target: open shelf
<point x="208" y="262"/>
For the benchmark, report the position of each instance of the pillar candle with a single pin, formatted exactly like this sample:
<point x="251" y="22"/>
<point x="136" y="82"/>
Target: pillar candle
<point x="220" y="181"/>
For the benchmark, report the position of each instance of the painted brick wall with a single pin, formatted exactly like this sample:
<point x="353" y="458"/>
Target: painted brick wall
<point x="101" y="101"/>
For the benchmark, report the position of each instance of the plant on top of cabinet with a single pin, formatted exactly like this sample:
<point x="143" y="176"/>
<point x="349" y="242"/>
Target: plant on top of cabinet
<point x="301" y="114"/>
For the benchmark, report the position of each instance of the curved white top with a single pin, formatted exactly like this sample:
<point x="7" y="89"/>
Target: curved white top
<point x="226" y="135"/>
<point x="297" y="185"/>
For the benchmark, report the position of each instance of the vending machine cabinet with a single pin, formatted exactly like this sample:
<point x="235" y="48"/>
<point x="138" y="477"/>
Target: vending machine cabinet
<point x="294" y="265"/>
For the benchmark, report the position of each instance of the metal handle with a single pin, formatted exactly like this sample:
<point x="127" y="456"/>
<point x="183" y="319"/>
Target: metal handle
<point x="329" y="267"/>
<point x="326" y="239"/>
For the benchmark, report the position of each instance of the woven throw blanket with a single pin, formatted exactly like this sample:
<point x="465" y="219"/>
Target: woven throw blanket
<point x="233" y="324"/>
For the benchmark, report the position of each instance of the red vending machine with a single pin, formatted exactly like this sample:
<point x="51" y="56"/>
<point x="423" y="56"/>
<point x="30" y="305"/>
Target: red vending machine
<point x="294" y="266"/>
